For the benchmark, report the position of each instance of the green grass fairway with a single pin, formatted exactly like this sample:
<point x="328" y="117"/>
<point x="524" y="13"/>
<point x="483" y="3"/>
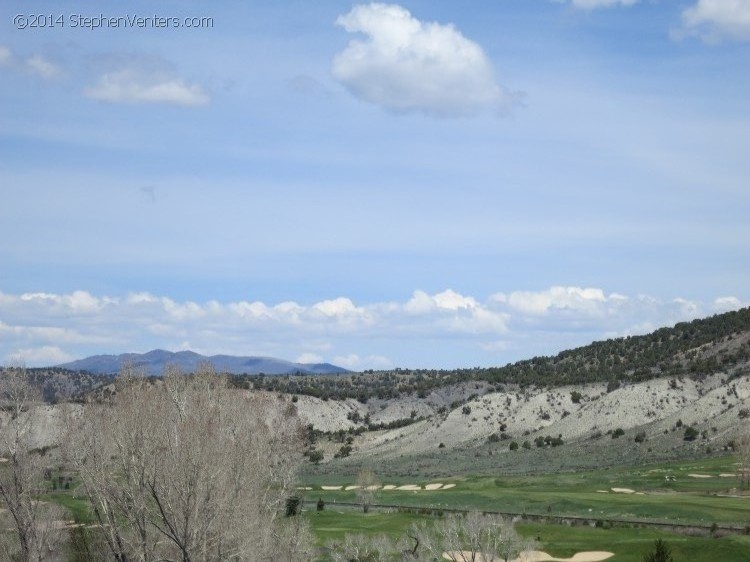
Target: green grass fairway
<point x="684" y="499"/>
<point x="628" y="544"/>
<point x="333" y="523"/>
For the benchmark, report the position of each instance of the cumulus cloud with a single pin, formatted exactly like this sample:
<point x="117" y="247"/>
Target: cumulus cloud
<point x="406" y="65"/>
<point x="146" y="81"/>
<point x="713" y="20"/>
<point x="594" y="4"/>
<point x="422" y="303"/>
<point x="427" y="329"/>
<point x="560" y="298"/>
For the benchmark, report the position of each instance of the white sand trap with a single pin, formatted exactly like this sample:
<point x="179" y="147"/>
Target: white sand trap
<point x="700" y="476"/>
<point x="448" y="486"/>
<point x="435" y="486"/>
<point x="373" y="488"/>
<point x="535" y="556"/>
<point x="603" y="491"/>
<point x="331" y="487"/>
<point x="623" y="490"/>
<point x="727" y="475"/>
<point x="304" y="488"/>
<point x="640" y="493"/>
<point x="410" y="487"/>
<point x="588" y="556"/>
<point x="389" y="487"/>
<point x="352" y="488"/>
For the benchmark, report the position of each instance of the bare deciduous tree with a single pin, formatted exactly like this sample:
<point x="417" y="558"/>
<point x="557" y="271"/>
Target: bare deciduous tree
<point x="37" y="524"/>
<point x="742" y="445"/>
<point x="187" y="469"/>
<point x="362" y="548"/>
<point x="368" y="484"/>
<point x="471" y="538"/>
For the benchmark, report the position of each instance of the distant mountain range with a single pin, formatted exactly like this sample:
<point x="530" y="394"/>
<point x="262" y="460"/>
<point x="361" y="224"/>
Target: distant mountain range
<point x="154" y="362"/>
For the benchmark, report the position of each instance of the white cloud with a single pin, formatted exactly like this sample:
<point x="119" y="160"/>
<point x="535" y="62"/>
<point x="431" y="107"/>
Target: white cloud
<point x="594" y="4"/>
<point x="561" y="298"/>
<point x="337" y="307"/>
<point x="47" y="355"/>
<point x="183" y="311"/>
<point x="422" y="303"/>
<point x="718" y="19"/>
<point x="143" y="86"/>
<point x="309" y="358"/>
<point x="77" y="302"/>
<point x="424" y="330"/>
<point x="354" y="362"/>
<point x="724" y="304"/>
<point x="406" y="65"/>
<point x="39" y="65"/>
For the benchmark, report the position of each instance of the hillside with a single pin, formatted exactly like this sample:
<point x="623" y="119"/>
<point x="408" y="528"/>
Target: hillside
<point x="680" y="392"/>
<point x="702" y="347"/>
<point x="635" y="423"/>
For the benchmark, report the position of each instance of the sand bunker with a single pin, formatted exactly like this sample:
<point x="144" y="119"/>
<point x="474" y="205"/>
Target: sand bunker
<point x="588" y="556"/>
<point x="534" y="556"/>
<point x="304" y="488"/>
<point x="623" y="490"/>
<point x="727" y="475"/>
<point x="405" y="487"/>
<point x="700" y="476"/>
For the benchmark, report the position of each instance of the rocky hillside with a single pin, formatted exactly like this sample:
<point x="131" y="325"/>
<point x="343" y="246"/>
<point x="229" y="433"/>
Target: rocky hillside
<point x="669" y="413"/>
<point x="679" y="392"/>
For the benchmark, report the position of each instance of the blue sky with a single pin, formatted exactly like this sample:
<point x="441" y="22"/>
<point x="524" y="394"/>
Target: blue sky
<point x="423" y="184"/>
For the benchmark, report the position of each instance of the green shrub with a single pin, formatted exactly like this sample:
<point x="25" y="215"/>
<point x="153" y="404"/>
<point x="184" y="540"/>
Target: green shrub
<point x="661" y="553"/>
<point x="691" y="434"/>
